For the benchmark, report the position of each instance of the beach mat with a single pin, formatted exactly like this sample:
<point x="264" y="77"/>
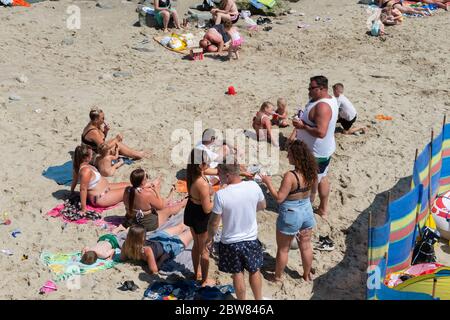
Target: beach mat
<point x="65" y="265"/>
<point x="187" y="290"/>
<point x="62" y="174"/>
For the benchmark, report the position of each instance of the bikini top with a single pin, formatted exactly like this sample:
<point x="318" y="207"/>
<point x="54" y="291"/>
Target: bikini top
<point x="91" y="144"/>
<point x="198" y="200"/>
<point x="298" y="189"/>
<point x="93" y="183"/>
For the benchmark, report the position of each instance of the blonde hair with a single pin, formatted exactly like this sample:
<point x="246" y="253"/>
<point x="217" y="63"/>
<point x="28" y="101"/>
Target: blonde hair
<point x="265" y="105"/>
<point x="281" y="102"/>
<point x="133" y="246"/>
<point x="104" y="149"/>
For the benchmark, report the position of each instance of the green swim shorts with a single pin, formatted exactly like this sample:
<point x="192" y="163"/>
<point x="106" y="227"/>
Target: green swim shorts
<point x="159" y="18"/>
<point x="111" y="239"/>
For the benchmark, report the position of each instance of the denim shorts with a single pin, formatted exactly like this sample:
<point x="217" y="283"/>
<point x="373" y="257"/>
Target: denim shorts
<point x="295" y="216"/>
<point x="172" y="245"/>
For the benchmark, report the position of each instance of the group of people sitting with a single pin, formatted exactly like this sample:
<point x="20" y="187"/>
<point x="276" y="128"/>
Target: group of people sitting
<point x="392" y="12"/>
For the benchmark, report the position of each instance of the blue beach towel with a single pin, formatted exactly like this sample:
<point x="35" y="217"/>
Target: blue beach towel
<point x="62" y="174"/>
<point x="187" y="290"/>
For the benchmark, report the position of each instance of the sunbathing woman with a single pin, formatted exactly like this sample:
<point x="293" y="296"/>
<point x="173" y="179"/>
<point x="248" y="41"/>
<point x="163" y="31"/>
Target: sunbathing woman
<point x="93" y="187"/>
<point x="227" y="11"/>
<point x="144" y="204"/>
<point x="397" y="4"/>
<point x="262" y="123"/>
<point x="94" y="134"/>
<point x="160" y="245"/>
<point x="105" y="158"/>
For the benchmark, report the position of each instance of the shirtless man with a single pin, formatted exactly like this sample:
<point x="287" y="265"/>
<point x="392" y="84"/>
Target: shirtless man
<point x="215" y="39"/>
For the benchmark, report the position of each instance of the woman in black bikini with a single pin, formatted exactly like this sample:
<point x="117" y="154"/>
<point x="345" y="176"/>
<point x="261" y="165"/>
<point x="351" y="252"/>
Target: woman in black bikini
<point x="197" y="212"/>
<point x="296" y="217"/>
<point x="94" y="134"/>
<point x="144" y="204"/>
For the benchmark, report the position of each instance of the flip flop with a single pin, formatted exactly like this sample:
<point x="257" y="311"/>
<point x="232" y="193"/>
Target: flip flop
<point x="128" y="285"/>
<point x="48" y="287"/>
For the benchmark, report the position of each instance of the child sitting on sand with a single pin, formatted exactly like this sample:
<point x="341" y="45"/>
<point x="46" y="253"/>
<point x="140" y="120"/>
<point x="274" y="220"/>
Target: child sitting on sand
<point x="236" y="39"/>
<point x="390" y="16"/>
<point x="104" y="249"/>
<point x="262" y="124"/>
<point x="280" y="115"/>
<point x="347" y="112"/>
<point x="160" y="245"/>
<point x="104" y="160"/>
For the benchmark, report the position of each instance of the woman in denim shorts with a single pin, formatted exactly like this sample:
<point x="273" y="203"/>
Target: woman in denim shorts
<point x="296" y="217"/>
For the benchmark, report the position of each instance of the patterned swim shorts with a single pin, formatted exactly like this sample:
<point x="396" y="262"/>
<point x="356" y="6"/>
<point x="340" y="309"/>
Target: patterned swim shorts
<point x="235" y="257"/>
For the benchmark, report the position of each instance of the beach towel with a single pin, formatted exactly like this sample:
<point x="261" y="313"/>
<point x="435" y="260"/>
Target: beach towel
<point x="62" y="174"/>
<point x="66" y="265"/>
<point x="187" y="290"/>
<point x="268" y="3"/>
<point x="163" y="40"/>
<point x="110" y="223"/>
<point x="256" y="4"/>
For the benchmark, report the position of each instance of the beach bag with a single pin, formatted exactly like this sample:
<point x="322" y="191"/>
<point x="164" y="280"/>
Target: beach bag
<point x="177" y="42"/>
<point x="424" y="249"/>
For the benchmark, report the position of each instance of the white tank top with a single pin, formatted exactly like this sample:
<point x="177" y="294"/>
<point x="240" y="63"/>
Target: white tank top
<point x="321" y="148"/>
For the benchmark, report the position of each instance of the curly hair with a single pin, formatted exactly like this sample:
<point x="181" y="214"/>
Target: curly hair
<point x="304" y="161"/>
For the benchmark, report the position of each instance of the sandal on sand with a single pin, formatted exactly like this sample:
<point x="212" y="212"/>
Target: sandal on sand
<point x="128" y="286"/>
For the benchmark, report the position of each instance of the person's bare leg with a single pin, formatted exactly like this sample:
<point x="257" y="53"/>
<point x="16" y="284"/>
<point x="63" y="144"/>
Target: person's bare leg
<point x="186" y="237"/>
<point x="239" y="285"/>
<point x="111" y="198"/>
<point x="165" y="213"/>
<point x="283" y="246"/>
<point x="119" y="185"/>
<point x="166" y="17"/>
<point x="324" y="192"/>
<point x="314" y="188"/>
<point x="353" y="130"/>
<point x="306" y="252"/>
<point x="176" y="230"/>
<point x="126" y="151"/>
<point x="237" y="53"/>
<point x="175" y="19"/>
<point x="195" y="254"/>
<point x="255" y="280"/>
<point x="204" y="258"/>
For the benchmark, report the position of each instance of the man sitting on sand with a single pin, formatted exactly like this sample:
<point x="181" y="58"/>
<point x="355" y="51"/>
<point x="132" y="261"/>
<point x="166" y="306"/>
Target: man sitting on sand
<point x="347" y="112"/>
<point x="216" y="39"/>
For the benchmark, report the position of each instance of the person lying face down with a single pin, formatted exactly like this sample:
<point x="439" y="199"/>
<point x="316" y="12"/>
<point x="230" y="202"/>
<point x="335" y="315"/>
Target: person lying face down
<point x="216" y="39"/>
<point x="103" y="249"/>
<point x="160" y="245"/>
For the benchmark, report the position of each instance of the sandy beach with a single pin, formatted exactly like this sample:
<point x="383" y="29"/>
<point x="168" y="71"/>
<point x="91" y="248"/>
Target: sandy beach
<point x="404" y="75"/>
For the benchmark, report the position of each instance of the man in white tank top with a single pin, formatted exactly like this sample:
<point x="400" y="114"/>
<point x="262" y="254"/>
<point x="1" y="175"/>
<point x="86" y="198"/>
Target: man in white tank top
<point x="316" y="127"/>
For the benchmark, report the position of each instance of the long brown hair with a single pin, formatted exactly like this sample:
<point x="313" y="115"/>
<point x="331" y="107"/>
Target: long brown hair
<point x="304" y="161"/>
<point x="136" y="178"/>
<point x="193" y="170"/>
<point x="132" y="247"/>
<point x="81" y="153"/>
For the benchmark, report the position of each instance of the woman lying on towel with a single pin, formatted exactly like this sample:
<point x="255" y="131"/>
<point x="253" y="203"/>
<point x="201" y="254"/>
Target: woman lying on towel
<point x="144" y="204"/>
<point x="93" y="187"/>
<point x="160" y="246"/>
<point x="398" y="4"/>
<point x="94" y="134"/>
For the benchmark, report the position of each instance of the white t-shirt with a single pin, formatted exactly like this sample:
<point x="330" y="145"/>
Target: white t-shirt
<point x="211" y="154"/>
<point x="346" y="109"/>
<point x="237" y="204"/>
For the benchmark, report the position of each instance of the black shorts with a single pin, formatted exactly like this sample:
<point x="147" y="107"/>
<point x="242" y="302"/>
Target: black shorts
<point x="195" y="218"/>
<point x="346" y="124"/>
<point x="235" y="257"/>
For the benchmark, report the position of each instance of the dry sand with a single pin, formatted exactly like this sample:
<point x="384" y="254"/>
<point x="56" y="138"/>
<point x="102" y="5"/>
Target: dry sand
<point x="167" y="92"/>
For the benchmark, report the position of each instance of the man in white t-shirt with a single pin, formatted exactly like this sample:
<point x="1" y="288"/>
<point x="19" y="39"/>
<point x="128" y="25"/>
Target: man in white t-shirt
<point x="347" y="112"/>
<point x="239" y="246"/>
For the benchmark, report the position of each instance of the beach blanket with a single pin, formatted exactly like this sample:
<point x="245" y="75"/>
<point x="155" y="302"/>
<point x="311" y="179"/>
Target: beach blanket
<point x="62" y="174"/>
<point x="181" y="186"/>
<point x="162" y="40"/>
<point x="107" y="223"/>
<point x="66" y="265"/>
<point x="187" y="290"/>
<point x="431" y="7"/>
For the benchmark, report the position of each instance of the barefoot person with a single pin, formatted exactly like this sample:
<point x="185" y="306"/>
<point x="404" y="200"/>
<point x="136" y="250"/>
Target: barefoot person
<point x="93" y="187"/>
<point x="163" y="13"/>
<point x="157" y="248"/>
<point x="198" y="210"/>
<point x="94" y="134"/>
<point x="239" y="248"/>
<point x="316" y="128"/>
<point x="296" y="217"/>
<point x="145" y="205"/>
<point x="262" y="123"/>
<point x="216" y="39"/>
<point x="279" y="118"/>
<point x="104" y="160"/>
<point x="105" y="248"/>
<point x="227" y="11"/>
<point x="347" y="112"/>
